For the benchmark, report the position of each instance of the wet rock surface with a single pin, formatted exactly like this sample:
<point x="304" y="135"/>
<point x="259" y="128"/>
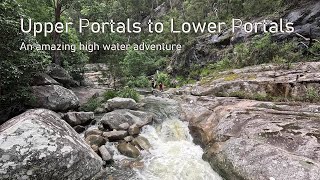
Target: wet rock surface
<point x="106" y="156"/>
<point x="95" y="140"/>
<point x="134" y="130"/>
<point x="141" y="142"/>
<point x="128" y="149"/>
<point x="115" y="135"/>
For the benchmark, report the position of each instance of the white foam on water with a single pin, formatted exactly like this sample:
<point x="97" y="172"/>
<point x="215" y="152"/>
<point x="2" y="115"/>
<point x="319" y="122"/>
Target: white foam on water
<point x="173" y="155"/>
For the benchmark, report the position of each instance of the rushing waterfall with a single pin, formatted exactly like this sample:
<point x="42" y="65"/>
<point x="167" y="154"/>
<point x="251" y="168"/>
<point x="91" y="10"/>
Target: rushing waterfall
<point x="173" y="155"/>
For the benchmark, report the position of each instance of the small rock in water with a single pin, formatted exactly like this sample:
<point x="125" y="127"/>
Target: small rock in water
<point x="115" y="135"/>
<point x="124" y="126"/>
<point x="129" y="150"/>
<point x="92" y="132"/>
<point x="79" y="128"/>
<point x="96" y="140"/>
<point x="128" y="138"/>
<point x="134" y="130"/>
<point x="141" y="142"/>
<point x="105" y="155"/>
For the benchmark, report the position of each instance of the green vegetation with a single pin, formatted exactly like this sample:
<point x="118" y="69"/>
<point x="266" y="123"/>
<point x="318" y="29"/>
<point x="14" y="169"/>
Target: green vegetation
<point x="91" y="105"/>
<point x="315" y="49"/>
<point x="16" y="67"/>
<point x="109" y="95"/>
<point x="261" y="50"/>
<point x="126" y="92"/>
<point x="132" y="68"/>
<point x="138" y="82"/>
<point x="312" y="95"/>
<point x="163" y="78"/>
<point x="129" y="93"/>
<point x="264" y="50"/>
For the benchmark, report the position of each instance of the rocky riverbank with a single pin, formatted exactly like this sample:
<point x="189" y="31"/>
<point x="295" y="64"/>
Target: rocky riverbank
<point x="270" y="136"/>
<point x="250" y="139"/>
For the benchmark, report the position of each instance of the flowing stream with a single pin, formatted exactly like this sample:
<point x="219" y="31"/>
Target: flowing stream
<point x="173" y="155"/>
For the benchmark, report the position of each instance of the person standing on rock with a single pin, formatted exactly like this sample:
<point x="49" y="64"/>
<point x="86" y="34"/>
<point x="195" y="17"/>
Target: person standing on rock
<point x="161" y="86"/>
<point x="153" y="83"/>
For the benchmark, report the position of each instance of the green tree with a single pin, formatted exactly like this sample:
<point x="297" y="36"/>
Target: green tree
<point x="16" y="67"/>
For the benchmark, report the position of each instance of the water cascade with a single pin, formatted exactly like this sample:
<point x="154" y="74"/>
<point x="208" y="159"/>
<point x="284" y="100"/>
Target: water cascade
<point x="173" y="155"/>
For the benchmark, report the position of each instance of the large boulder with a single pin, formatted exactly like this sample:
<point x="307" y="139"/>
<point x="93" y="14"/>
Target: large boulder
<point x="121" y="103"/>
<point x="54" y="97"/>
<point x="61" y="75"/>
<point x="39" y="145"/>
<point x="114" y="119"/>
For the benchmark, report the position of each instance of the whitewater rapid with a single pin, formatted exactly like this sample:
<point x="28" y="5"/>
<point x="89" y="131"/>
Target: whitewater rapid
<point x="173" y="155"/>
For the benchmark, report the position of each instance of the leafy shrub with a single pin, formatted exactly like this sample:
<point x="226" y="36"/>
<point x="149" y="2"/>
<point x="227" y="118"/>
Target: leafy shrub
<point x="163" y="78"/>
<point x="16" y="67"/>
<point x="109" y="94"/>
<point x="129" y="93"/>
<point x="315" y="49"/>
<point x="259" y="51"/>
<point x="91" y="105"/>
<point x="139" y="82"/>
<point x="312" y="95"/>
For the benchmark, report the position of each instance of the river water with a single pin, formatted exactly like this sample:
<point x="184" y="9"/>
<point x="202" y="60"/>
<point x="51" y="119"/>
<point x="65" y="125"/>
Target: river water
<point x="173" y="155"/>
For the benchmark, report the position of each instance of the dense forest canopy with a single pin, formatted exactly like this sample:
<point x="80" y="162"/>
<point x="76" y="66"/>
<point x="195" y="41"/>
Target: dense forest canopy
<point x="133" y="67"/>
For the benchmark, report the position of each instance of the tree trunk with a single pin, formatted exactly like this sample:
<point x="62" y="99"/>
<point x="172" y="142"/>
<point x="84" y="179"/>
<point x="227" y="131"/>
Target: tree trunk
<point x="56" y="36"/>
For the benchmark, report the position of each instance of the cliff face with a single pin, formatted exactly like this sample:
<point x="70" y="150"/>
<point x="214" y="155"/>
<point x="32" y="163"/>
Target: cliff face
<point x="210" y="48"/>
